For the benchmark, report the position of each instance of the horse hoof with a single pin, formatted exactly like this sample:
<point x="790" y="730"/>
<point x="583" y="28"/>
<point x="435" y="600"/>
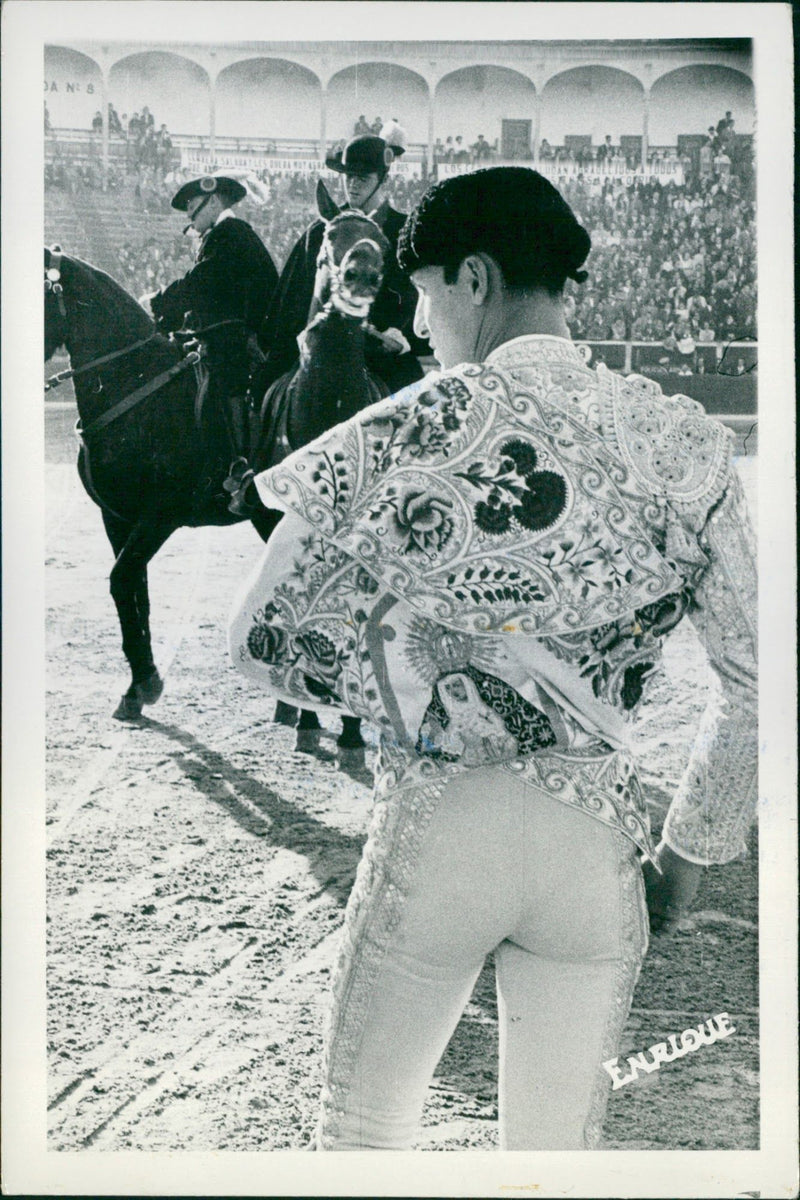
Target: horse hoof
<point x="285" y="714"/>
<point x="128" y="709"/>
<point x="308" y="741"/>
<point x="351" y="759"/>
<point x="150" y="689"/>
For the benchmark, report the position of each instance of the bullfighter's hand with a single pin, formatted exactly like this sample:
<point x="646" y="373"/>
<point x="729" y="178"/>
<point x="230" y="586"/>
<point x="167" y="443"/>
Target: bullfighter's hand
<point x="671" y="893"/>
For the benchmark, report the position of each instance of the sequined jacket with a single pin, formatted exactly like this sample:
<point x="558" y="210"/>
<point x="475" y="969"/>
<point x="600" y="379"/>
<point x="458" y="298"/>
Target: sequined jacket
<point x="485" y="567"/>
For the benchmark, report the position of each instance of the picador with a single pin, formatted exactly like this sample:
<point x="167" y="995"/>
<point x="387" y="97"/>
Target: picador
<point x="223" y="299"/>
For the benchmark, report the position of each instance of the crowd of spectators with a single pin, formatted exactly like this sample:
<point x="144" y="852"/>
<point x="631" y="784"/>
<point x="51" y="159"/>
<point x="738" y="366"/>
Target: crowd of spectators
<point x="454" y="150"/>
<point x="150" y="266"/>
<point x="147" y="148"/>
<point x="672" y="262"/>
<point x="363" y="128"/>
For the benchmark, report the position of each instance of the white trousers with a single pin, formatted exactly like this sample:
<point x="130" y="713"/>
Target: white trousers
<point x="490" y="864"/>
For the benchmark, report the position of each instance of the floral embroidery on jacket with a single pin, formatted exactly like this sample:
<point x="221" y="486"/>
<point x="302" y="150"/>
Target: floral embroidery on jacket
<point x="387" y="592"/>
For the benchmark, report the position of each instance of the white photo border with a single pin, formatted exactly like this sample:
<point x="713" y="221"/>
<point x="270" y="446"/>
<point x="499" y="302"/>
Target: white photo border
<point x="28" y="1166"/>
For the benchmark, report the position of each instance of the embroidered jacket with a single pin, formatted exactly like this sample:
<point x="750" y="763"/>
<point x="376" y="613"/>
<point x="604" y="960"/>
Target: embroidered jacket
<point x="485" y="566"/>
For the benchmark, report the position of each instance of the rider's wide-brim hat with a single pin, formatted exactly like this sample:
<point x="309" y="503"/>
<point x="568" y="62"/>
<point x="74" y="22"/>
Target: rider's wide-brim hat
<point x="209" y="185"/>
<point x="367" y="155"/>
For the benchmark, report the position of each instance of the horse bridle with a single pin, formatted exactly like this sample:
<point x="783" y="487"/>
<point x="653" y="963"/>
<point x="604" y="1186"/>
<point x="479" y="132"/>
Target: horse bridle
<point x="341" y="297"/>
<point x="52" y="280"/>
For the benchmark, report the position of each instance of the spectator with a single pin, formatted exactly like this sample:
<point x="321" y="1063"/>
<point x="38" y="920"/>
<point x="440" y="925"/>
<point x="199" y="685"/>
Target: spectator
<point x="461" y="152"/>
<point x="606" y="150"/>
<point x="707" y="155"/>
<point x="481" y="150"/>
<point x="722" y="164"/>
<point x="724" y="125"/>
<point x="163" y="150"/>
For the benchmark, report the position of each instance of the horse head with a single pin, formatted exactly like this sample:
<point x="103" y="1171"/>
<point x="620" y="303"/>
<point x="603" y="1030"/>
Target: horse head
<point x="86" y="310"/>
<point x="350" y="262"/>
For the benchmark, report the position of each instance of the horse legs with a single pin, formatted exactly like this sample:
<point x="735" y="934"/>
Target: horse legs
<point x="134" y="546"/>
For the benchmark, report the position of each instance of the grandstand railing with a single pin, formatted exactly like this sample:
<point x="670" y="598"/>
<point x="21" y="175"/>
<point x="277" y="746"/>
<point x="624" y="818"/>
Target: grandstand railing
<point x="83" y="145"/>
<point x="706" y="358"/>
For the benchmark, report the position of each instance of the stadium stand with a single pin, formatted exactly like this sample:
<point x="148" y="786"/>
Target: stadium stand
<point x="672" y="264"/>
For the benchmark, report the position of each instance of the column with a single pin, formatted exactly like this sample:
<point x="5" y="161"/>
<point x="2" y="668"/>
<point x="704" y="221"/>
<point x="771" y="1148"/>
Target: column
<point x="645" y="127"/>
<point x="537" y="125"/>
<point x="212" y="122"/>
<point x="104" y="136"/>
<point x="430" y="132"/>
<point x="323" y="124"/>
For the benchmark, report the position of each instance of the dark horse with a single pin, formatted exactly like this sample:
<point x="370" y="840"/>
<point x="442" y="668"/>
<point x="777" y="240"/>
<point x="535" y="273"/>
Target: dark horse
<point x="154" y="453"/>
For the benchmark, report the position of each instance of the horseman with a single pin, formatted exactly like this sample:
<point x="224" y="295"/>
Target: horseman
<point x="365" y="163"/>
<point x="224" y="298"/>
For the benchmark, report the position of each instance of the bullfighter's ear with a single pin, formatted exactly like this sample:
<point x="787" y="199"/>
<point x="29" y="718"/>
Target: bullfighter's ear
<point x="326" y="205"/>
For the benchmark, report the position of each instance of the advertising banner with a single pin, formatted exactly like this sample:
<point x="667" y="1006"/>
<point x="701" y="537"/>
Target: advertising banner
<point x="662" y="172"/>
<point x="201" y="163"/>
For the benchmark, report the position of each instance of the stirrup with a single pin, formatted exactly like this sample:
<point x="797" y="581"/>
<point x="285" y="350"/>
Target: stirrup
<point x="239" y="504"/>
<point x="237" y="472"/>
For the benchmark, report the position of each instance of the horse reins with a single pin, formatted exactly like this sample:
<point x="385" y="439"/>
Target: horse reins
<point x="141" y="393"/>
<point x="55" y="380"/>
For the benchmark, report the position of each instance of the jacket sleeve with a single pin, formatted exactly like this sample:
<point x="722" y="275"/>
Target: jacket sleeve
<point x="288" y="313"/>
<point x="715" y="802"/>
<point x="396" y="302"/>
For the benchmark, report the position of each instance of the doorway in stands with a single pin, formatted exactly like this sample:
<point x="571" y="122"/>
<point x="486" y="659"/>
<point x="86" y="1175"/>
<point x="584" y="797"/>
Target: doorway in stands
<point x="515" y="140"/>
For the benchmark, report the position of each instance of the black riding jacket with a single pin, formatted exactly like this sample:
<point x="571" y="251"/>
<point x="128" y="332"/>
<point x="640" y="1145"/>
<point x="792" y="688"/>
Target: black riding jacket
<point x="234" y="276"/>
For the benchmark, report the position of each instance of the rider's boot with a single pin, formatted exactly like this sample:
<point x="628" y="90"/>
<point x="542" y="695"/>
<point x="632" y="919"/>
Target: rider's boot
<point x="244" y="498"/>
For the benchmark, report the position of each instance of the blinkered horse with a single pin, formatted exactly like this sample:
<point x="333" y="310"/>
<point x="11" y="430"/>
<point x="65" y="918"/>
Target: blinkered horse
<point x="153" y="452"/>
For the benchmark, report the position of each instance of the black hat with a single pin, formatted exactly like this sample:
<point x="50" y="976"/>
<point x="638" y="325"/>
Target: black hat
<point x="368" y="155"/>
<point x="208" y="185"/>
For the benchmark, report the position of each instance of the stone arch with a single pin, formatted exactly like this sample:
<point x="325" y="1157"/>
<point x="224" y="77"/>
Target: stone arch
<point x="689" y="99"/>
<point x="73" y="87"/>
<point x="595" y="100"/>
<point x="376" y="89"/>
<point x="476" y="99"/>
<point x="268" y="97"/>
<point x="174" y="88"/>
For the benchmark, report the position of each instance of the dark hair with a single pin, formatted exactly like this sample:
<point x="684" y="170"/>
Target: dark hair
<point x="513" y="214"/>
